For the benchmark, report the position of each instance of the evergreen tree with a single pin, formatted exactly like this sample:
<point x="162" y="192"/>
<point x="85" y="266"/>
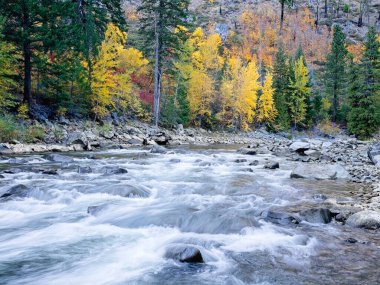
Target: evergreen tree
<point x="160" y="20"/>
<point x="7" y="73"/>
<point x="364" y="87"/>
<point x="281" y="81"/>
<point x="335" y="75"/>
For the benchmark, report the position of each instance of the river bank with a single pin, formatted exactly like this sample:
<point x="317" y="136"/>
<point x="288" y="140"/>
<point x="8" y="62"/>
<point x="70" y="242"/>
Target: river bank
<point x="316" y="158"/>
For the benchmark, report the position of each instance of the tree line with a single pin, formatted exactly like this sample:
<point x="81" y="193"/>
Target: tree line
<point x="76" y="57"/>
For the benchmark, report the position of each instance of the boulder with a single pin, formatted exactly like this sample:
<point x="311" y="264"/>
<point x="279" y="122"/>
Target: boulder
<point x="158" y="149"/>
<point x="184" y="253"/>
<point x="254" y="163"/>
<point x="76" y="138"/>
<point x="54" y="157"/>
<point x="320" y="172"/>
<point x="317" y="216"/>
<point x="272" y="165"/>
<point x="280" y="218"/>
<point x="247" y="151"/>
<point x="50" y="172"/>
<point x="18" y="191"/>
<point x="365" y="219"/>
<point x="299" y="147"/>
<point x="13" y="170"/>
<point x="374" y="153"/>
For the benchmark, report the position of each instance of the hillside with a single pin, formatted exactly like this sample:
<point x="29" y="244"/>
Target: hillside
<point x="225" y="15"/>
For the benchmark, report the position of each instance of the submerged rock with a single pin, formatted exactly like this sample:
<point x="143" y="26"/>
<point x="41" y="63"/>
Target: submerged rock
<point x="58" y="158"/>
<point x="280" y="218"/>
<point x="365" y="219"/>
<point x="319" y="216"/>
<point x="247" y="151"/>
<point x="18" y="191"/>
<point x="84" y="169"/>
<point x="114" y="170"/>
<point x="184" y="253"/>
<point x="158" y="149"/>
<point x="272" y="165"/>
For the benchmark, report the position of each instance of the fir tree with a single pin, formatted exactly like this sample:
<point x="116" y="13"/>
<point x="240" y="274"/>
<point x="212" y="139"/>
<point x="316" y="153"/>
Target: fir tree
<point x="364" y="87"/>
<point x="281" y="81"/>
<point x="160" y="20"/>
<point x="335" y="75"/>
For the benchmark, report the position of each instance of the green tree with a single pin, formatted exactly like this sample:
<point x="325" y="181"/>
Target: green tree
<point x="364" y="88"/>
<point x="281" y="81"/>
<point x="162" y="38"/>
<point x="7" y="73"/>
<point x="336" y="73"/>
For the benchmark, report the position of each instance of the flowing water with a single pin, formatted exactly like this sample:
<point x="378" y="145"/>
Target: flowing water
<point x="199" y="196"/>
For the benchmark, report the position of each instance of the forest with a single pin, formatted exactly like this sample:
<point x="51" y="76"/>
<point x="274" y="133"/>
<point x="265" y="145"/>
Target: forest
<point x="96" y="59"/>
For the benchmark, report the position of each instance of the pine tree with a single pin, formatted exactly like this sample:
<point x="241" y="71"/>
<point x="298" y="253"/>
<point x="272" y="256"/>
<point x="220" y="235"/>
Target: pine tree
<point x="7" y="73"/>
<point x="364" y="87"/>
<point x="266" y="108"/>
<point x="335" y="75"/>
<point x="160" y="19"/>
<point x="281" y="82"/>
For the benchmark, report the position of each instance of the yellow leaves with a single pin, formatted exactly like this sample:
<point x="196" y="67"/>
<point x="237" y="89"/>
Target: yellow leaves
<point x="266" y="109"/>
<point x="200" y="94"/>
<point x="207" y="55"/>
<point x="111" y="84"/>
<point x="239" y="93"/>
<point x="356" y="50"/>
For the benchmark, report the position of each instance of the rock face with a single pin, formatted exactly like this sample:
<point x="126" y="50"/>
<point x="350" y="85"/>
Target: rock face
<point x="184" y="253"/>
<point x="317" y="216"/>
<point x="319" y="172"/>
<point x="365" y="219"/>
<point x="374" y="153"/>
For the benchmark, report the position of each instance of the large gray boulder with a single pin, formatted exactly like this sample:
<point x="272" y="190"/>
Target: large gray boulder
<point x="299" y="147"/>
<point x="184" y="253"/>
<point x="317" y="216"/>
<point x="374" y="153"/>
<point x="365" y="219"/>
<point x="320" y="172"/>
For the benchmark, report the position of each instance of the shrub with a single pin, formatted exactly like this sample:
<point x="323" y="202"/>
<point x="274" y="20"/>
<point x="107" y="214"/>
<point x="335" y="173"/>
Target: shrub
<point x="23" y="111"/>
<point x="33" y="133"/>
<point x="9" y="129"/>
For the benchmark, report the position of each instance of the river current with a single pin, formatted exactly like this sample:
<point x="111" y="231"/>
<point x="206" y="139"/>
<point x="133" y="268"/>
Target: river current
<point x="92" y="224"/>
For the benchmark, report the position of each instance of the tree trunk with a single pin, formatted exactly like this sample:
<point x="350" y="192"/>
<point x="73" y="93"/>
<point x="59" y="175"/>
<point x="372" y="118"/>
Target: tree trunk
<point x="317" y="16"/>
<point x="335" y="103"/>
<point x="157" y="77"/>
<point x="326" y="8"/>
<point x="282" y="15"/>
<point x="360" y="21"/>
<point x="27" y="54"/>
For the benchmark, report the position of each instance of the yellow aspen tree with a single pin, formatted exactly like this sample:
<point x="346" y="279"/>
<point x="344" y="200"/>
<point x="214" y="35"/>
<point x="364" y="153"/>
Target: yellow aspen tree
<point x="206" y="63"/>
<point x="131" y="61"/>
<point x="266" y="108"/>
<point x="104" y="81"/>
<point x="239" y="93"/>
<point x="300" y="92"/>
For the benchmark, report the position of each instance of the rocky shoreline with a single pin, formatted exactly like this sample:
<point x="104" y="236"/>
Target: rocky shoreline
<point x="316" y="158"/>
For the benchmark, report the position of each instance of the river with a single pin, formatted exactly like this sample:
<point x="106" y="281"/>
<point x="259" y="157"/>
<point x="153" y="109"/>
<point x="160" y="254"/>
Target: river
<point x="206" y="197"/>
